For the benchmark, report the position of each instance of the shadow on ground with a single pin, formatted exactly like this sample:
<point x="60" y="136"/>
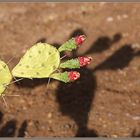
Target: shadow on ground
<point x="75" y="99"/>
<point x="9" y="128"/>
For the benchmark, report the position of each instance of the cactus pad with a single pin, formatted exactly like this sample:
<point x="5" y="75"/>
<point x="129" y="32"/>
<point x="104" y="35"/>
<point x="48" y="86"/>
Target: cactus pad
<point x="39" y="61"/>
<point x="5" y="76"/>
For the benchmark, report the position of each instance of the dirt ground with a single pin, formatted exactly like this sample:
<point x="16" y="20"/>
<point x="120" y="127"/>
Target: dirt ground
<point x="105" y="101"/>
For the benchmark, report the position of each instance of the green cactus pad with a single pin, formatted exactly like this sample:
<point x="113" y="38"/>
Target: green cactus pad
<point x="5" y="76"/>
<point x="39" y="61"/>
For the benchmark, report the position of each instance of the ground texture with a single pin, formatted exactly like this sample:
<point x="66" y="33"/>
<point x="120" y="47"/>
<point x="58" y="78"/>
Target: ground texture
<point x="105" y="101"/>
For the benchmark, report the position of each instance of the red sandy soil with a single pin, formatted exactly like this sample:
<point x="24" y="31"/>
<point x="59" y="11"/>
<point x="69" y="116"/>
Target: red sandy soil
<point x="105" y="101"/>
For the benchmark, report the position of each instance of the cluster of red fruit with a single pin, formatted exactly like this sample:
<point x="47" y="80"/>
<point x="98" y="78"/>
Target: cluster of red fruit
<point x="83" y="61"/>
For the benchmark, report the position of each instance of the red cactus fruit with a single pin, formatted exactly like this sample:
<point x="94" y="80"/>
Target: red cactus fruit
<point x="84" y="60"/>
<point x="80" y="39"/>
<point x="73" y="75"/>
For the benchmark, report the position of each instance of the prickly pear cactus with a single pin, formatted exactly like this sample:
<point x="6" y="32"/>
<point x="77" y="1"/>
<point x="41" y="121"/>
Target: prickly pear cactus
<point x="5" y="77"/>
<point x="43" y="60"/>
<point x="38" y="62"/>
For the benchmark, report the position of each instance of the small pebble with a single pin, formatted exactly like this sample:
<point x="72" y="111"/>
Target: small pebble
<point x="133" y="104"/>
<point x="102" y="3"/>
<point x="67" y="126"/>
<point x="109" y="19"/>
<point x="30" y="123"/>
<point x="114" y="136"/>
<point x="104" y="125"/>
<point x="100" y="119"/>
<point x="24" y="108"/>
<point x="49" y="115"/>
<point x="26" y="134"/>
<point x="125" y="16"/>
<point x="127" y="114"/>
<point x="136" y="118"/>
<point x="125" y="34"/>
<point x="136" y="45"/>
<point x="42" y="127"/>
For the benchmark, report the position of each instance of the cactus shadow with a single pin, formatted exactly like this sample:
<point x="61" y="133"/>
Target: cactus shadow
<point x="1" y="116"/>
<point x="75" y="99"/>
<point x="22" y="129"/>
<point x="135" y="133"/>
<point x="118" y="60"/>
<point x="103" y="43"/>
<point x="42" y="40"/>
<point x="9" y="129"/>
<point x="28" y="83"/>
<point x="77" y="32"/>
